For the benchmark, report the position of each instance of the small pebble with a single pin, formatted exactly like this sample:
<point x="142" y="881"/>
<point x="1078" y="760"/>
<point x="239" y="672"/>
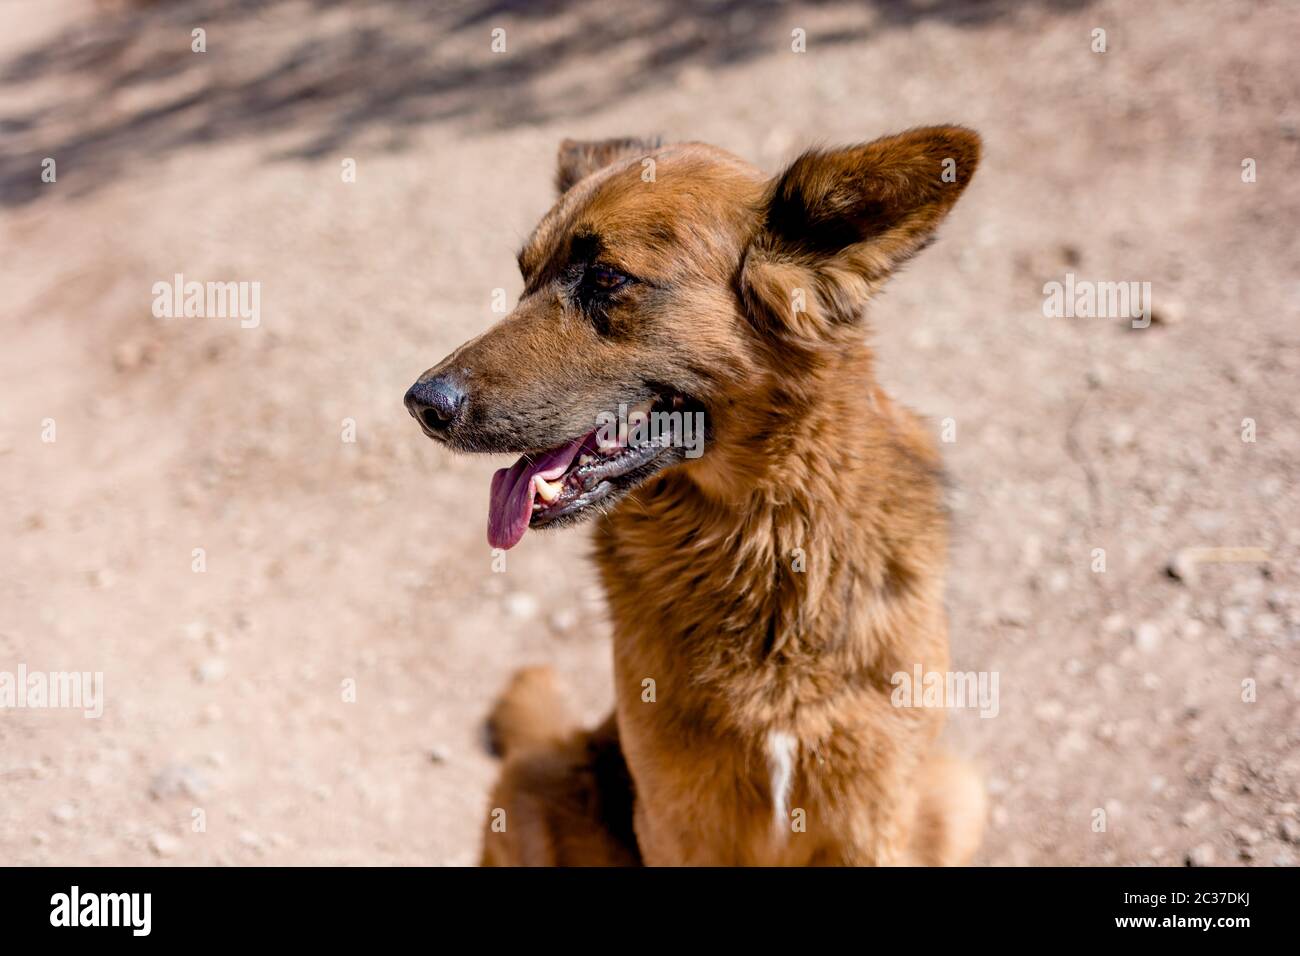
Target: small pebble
<point x="1147" y="637"/>
<point x="176" y="781"/>
<point x="210" y="671"/>
<point x="1195" y="815"/>
<point x="1049" y="711"/>
<point x="1247" y="835"/>
<point x="521" y="604"/>
<point x="1202" y="855"/>
<point x="163" y="845"/>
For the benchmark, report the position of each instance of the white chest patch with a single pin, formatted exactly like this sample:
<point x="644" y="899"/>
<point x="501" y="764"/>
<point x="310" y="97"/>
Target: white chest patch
<point x="781" y="751"/>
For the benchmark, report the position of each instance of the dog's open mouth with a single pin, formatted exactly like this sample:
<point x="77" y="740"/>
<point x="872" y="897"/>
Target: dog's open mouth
<point x="560" y="483"/>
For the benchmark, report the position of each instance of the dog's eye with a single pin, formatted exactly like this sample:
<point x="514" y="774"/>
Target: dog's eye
<point x="604" y="279"/>
<point x="596" y="289"/>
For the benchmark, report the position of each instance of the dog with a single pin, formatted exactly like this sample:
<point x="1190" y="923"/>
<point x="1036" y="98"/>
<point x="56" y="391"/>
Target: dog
<point x="764" y="589"/>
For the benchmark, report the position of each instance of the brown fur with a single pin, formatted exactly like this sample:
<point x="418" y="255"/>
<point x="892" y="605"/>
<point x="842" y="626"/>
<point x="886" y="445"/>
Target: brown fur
<point x="775" y="584"/>
<point x="565" y="793"/>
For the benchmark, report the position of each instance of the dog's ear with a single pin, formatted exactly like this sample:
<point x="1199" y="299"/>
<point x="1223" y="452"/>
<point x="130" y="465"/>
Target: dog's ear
<point x="838" y="222"/>
<point x="580" y="158"/>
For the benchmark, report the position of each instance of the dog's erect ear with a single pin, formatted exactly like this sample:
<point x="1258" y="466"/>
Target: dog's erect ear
<point x="838" y="222"/>
<point x="580" y="158"/>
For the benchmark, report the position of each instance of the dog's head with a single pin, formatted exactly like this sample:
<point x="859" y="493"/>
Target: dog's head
<point x="665" y="290"/>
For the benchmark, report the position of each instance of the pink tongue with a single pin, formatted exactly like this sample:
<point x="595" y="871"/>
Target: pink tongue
<point x="510" y="505"/>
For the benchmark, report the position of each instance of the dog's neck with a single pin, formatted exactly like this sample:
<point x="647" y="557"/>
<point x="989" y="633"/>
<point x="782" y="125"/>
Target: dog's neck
<point x="794" y="534"/>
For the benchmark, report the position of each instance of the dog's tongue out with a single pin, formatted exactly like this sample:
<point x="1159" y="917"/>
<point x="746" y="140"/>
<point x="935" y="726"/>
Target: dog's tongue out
<point x="510" y="506"/>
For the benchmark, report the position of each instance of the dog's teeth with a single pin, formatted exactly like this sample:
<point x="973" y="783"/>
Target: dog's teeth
<point x="547" y="490"/>
<point x="585" y="459"/>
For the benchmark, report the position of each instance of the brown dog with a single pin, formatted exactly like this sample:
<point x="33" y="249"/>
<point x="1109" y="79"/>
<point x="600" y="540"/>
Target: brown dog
<point x="765" y="591"/>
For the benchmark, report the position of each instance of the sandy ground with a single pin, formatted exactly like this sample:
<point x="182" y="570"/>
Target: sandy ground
<point x="334" y="564"/>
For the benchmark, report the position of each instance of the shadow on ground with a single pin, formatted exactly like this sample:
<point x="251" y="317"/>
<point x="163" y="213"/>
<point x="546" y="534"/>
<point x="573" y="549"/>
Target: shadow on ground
<point x="126" y="86"/>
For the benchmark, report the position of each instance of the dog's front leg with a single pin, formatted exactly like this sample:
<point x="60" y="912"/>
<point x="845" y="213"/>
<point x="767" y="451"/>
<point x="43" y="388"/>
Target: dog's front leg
<point x="667" y="842"/>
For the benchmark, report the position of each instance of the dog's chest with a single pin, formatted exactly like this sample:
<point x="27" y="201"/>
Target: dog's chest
<point x="748" y="687"/>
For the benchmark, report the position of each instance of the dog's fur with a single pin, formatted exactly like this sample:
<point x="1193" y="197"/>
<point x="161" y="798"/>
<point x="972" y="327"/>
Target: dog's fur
<point x="771" y="588"/>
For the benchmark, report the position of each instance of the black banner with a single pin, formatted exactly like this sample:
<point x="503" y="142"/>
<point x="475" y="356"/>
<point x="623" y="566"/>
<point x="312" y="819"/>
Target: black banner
<point x="1221" y="906"/>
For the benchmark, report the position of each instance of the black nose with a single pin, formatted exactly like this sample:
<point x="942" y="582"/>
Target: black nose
<point x="436" y="403"/>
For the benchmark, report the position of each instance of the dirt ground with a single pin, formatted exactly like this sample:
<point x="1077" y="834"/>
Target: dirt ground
<point x="332" y="565"/>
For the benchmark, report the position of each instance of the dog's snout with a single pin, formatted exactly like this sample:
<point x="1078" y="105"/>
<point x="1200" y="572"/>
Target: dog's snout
<point x="436" y="403"/>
